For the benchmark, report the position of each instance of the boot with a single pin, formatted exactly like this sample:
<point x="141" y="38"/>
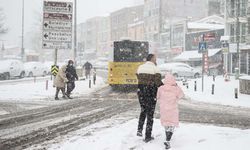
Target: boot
<point x="68" y="96"/>
<point x="147" y="139"/>
<point x="64" y="97"/>
<point x="139" y="133"/>
<point x="168" y="138"/>
<point x="57" y="92"/>
<point x="167" y="144"/>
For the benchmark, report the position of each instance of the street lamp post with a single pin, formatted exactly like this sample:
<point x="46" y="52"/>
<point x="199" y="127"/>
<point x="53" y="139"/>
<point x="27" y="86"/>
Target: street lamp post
<point x="237" y="38"/>
<point x="22" y="49"/>
<point x="75" y="32"/>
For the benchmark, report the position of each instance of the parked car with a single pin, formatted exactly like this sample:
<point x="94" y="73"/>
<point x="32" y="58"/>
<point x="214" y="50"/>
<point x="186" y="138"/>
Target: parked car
<point x="179" y="70"/>
<point x="11" y="68"/>
<point x="35" y="69"/>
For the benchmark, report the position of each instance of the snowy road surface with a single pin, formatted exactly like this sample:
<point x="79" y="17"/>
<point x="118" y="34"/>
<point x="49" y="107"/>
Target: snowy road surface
<point x="34" y="126"/>
<point x="117" y="134"/>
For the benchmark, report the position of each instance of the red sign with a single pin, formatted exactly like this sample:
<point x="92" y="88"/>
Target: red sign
<point x="206" y="65"/>
<point x="209" y="36"/>
<point x="177" y="50"/>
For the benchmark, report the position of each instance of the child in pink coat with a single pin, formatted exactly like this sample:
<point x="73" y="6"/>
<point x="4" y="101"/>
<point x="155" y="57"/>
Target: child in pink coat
<point x="168" y="96"/>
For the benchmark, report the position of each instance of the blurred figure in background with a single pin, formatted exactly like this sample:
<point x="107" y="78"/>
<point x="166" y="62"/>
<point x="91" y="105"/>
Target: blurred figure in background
<point x="87" y="66"/>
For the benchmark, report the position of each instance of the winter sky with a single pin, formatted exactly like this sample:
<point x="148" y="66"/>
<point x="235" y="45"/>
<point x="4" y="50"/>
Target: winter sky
<point x="86" y="9"/>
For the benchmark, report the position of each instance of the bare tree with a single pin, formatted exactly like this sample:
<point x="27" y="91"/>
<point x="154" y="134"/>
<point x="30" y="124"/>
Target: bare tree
<point x="3" y="28"/>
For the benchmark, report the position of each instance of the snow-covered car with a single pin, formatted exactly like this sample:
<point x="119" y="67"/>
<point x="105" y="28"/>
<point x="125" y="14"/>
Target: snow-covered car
<point x="11" y="68"/>
<point x="179" y="70"/>
<point x="35" y="69"/>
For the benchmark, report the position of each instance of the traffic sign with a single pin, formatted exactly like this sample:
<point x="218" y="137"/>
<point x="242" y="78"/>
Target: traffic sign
<point x="57" y="25"/>
<point x="59" y="45"/>
<point x="225" y="48"/>
<point x="58" y="7"/>
<point x="202" y="47"/>
<point x="56" y="36"/>
<point x="54" y="70"/>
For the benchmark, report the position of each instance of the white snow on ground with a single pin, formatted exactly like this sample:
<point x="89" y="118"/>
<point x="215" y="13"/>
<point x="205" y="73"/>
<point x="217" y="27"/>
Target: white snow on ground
<point x="224" y="91"/>
<point x="37" y="90"/>
<point x="187" y="137"/>
<point x="2" y="112"/>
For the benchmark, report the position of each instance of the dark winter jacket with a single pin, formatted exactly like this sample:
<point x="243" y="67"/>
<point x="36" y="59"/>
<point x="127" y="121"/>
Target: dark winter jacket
<point x="87" y="66"/>
<point x="149" y="77"/>
<point x="71" y="73"/>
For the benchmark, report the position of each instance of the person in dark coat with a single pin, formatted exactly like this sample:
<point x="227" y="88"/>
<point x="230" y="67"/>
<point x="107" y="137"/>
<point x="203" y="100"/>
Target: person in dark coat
<point x="87" y="66"/>
<point x="149" y="79"/>
<point x="71" y="76"/>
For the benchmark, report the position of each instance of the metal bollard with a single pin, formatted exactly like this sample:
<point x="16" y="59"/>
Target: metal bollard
<point x="47" y="85"/>
<point x="236" y="93"/>
<point x="94" y="78"/>
<point x="195" y="86"/>
<point x="89" y="83"/>
<point x="213" y="89"/>
<point x="213" y="77"/>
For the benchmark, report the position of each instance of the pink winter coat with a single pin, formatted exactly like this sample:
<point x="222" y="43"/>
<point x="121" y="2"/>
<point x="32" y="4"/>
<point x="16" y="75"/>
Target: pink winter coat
<point x="168" y="96"/>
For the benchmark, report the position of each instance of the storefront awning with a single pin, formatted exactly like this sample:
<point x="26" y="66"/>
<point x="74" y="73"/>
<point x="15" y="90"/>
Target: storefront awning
<point x="194" y="55"/>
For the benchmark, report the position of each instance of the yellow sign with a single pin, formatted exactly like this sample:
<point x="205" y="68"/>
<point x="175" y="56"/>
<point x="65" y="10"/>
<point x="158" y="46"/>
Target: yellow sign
<point x="54" y="69"/>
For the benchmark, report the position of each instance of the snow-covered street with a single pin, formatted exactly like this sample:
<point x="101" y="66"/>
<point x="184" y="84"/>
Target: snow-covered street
<point x="19" y="96"/>
<point x="119" y="134"/>
<point x="37" y="90"/>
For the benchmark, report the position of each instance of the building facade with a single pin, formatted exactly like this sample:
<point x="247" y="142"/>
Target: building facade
<point x="121" y="19"/>
<point x="234" y="8"/>
<point x="94" y="36"/>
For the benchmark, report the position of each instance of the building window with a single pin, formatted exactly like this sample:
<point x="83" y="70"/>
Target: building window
<point x="232" y="33"/>
<point x="243" y="8"/>
<point x="248" y="26"/>
<point x="243" y="32"/>
<point x="243" y="62"/>
<point x="232" y="8"/>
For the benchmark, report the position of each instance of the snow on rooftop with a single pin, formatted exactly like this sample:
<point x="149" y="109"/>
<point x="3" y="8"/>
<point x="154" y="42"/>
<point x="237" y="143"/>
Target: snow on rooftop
<point x="245" y="77"/>
<point x="194" y="55"/>
<point x="214" y="19"/>
<point x="196" y="25"/>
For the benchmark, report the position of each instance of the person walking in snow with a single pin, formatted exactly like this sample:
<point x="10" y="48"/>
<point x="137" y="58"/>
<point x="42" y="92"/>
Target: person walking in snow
<point x="149" y="79"/>
<point x="60" y="82"/>
<point x="87" y="66"/>
<point x="168" y="96"/>
<point x="71" y="76"/>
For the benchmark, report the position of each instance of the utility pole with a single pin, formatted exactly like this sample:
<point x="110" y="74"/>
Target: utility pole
<point x="22" y="49"/>
<point x="237" y="37"/>
<point x="75" y="33"/>
<point x="160" y="19"/>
